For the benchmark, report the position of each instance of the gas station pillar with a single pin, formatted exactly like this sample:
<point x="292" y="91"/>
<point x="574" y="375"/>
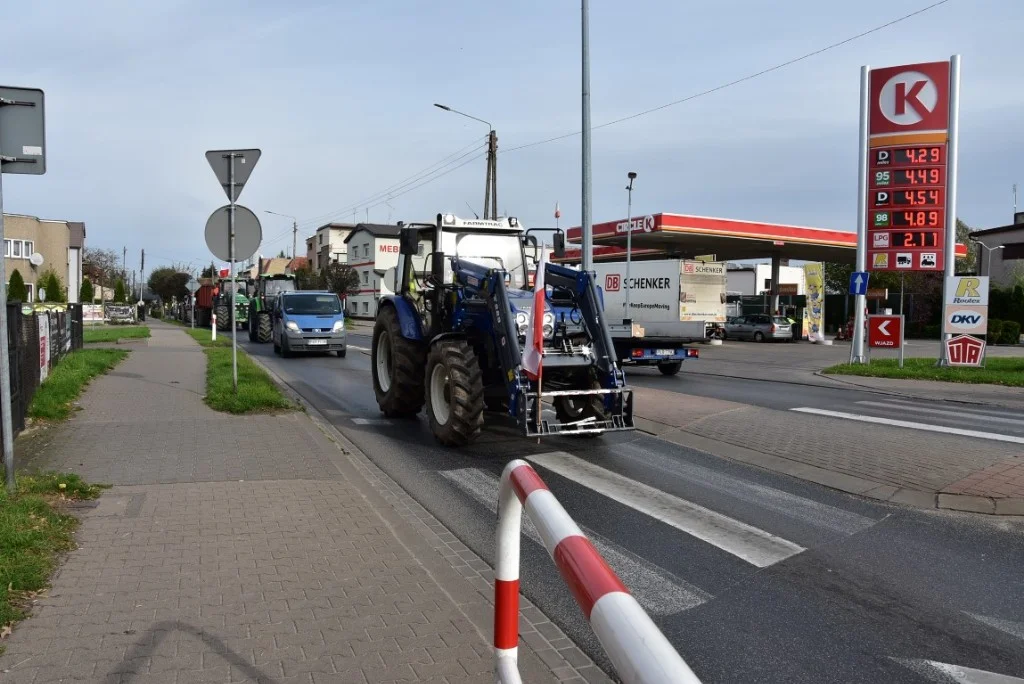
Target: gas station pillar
<point x="776" y="264"/>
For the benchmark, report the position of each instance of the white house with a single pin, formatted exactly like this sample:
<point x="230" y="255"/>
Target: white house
<point x="372" y="249"/>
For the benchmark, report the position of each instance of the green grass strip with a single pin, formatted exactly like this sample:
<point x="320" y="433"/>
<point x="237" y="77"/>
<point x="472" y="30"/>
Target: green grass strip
<point x="257" y="393"/>
<point x="52" y="401"/>
<point x="33" y="532"/>
<point x="113" y="333"/>
<point x="997" y="371"/>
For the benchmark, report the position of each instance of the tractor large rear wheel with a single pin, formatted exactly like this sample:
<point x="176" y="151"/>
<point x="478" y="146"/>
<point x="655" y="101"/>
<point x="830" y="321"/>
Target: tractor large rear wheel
<point x="397" y="366"/>
<point x="223" y="314"/>
<point x="455" y="393"/>
<point x="264" y="328"/>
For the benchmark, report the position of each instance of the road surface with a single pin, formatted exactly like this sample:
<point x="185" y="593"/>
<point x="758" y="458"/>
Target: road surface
<point x="753" y="576"/>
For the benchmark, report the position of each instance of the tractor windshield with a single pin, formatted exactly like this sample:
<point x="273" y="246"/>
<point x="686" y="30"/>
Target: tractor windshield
<point x="494" y="250"/>
<point x="272" y="288"/>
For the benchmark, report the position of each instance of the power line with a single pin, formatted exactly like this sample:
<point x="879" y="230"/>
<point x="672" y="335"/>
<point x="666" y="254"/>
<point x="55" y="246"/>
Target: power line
<point x="459" y="154"/>
<point x="743" y="79"/>
<point x="428" y="181"/>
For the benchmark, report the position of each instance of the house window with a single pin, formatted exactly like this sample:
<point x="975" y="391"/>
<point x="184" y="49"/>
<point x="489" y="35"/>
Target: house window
<point x="320" y="239"/>
<point x="366" y="250"/>
<point x="18" y="244"/>
<point x="18" y="249"/>
<point x="366" y="307"/>
<point x="366" y="277"/>
<point x="28" y="289"/>
<point x="355" y="307"/>
<point x="30" y="248"/>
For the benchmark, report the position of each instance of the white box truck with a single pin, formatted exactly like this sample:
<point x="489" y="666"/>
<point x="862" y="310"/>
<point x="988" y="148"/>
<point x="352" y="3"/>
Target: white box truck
<point x="672" y="298"/>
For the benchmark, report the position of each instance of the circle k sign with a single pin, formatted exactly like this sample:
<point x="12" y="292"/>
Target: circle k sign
<point x="910" y="98"/>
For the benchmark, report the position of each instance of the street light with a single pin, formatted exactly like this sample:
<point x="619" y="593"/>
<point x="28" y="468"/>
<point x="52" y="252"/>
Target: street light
<point x="629" y="238"/>
<point x="295" y="229"/>
<point x="491" y="187"/>
<point x="989" y="250"/>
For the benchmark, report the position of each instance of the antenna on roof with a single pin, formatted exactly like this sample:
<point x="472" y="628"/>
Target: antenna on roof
<point x="471" y="209"/>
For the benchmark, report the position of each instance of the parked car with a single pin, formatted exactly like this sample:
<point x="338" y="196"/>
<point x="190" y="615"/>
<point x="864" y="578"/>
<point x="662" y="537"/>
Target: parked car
<point x="759" y="327"/>
<point x="308" y="321"/>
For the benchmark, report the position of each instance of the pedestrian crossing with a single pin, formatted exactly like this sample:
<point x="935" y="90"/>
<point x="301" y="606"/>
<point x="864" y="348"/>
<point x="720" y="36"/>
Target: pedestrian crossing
<point x="660" y="590"/>
<point x="987" y="424"/>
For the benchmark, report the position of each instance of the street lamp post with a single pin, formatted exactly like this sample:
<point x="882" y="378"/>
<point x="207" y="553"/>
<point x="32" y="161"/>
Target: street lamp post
<point x="629" y="240"/>
<point x="491" y="186"/>
<point x="295" y="229"/>
<point x="988" y="271"/>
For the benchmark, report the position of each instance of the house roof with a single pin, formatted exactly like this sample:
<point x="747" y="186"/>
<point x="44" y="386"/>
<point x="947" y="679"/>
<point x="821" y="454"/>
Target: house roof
<point x="275" y="266"/>
<point x="378" y="230"/>
<point x="297" y="264"/>
<point x="999" y="229"/>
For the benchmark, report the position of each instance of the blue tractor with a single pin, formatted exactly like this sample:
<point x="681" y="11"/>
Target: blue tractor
<point x="451" y="336"/>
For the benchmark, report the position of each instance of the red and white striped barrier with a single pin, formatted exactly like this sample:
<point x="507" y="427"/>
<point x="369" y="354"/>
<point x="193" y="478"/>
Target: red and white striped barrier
<point x="636" y="647"/>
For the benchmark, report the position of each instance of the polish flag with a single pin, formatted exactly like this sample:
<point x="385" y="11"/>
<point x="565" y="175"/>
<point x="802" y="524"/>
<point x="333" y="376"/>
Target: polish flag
<point x="225" y="272"/>
<point x="533" y="355"/>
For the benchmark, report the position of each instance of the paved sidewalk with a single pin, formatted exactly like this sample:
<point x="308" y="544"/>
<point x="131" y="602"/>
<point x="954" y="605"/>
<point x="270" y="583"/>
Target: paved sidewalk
<point x="250" y="549"/>
<point x="932" y="470"/>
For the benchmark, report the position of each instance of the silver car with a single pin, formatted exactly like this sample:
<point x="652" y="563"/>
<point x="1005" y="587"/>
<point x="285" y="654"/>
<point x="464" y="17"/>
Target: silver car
<point x="759" y="327"/>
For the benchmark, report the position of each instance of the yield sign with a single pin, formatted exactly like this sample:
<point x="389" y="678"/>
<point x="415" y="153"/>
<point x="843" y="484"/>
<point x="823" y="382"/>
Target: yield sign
<point x="243" y="161"/>
<point x="885" y="332"/>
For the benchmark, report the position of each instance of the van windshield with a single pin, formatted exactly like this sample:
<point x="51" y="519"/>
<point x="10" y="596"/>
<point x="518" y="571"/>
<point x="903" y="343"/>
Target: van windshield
<point x="312" y="304"/>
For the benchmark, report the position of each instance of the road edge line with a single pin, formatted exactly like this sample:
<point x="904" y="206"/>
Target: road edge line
<point x="469" y="563"/>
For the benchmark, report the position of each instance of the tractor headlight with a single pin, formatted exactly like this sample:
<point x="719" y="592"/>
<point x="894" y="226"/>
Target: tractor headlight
<point x="292" y="325"/>
<point x="522" y="321"/>
<point x="549" y="324"/>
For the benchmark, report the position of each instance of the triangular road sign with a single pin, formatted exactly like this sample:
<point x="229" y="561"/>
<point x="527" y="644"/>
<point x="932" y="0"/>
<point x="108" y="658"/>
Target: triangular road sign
<point x="220" y="161"/>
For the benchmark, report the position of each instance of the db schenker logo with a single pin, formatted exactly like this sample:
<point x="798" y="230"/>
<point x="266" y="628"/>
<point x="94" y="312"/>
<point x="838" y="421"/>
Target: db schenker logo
<point x="612" y="282"/>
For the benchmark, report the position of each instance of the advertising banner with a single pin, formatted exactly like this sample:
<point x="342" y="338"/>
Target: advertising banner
<point x="966" y="307"/>
<point x="44" y="346"/>
<point x="814" y="314"/>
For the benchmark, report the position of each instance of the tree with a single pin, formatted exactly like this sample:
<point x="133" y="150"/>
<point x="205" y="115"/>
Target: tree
<point x="341" y="279"/>
<point x="16" y="290"/>
<point x="54" y="286"/>
<point x="119" y="293"/>
<point x="307" y="279"/>
<point x="85" y="293"/>
<point x="282" y="255"/>
<point x="168" y="283"/>
<point x="208" y="272"/>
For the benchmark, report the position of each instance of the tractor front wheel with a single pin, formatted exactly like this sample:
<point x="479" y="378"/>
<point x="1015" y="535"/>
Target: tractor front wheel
<point x="223" y="314"/>
<point x="455" y="393"/>
<point x="264" y="327"/>
<point x="571" y="409"/>
<point x="397" y="366"/>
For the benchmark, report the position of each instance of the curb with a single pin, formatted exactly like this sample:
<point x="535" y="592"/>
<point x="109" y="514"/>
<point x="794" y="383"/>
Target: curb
<point x="850" y="484"/>
<point x="548" y="641"/>
<point x="877" y="390"/>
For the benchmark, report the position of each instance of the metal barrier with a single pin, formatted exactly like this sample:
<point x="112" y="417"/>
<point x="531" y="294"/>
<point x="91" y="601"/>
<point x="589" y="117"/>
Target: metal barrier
<point x="636" y="647"/>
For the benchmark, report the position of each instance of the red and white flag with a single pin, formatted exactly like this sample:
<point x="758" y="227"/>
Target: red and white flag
<point x="533" y="355"/>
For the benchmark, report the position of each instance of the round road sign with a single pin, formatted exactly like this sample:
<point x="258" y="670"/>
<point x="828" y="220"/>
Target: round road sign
<point x="248" y="233"/>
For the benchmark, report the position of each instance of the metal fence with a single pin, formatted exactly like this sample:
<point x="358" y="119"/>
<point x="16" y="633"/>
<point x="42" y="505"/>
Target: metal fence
<point x="36" y="342"/>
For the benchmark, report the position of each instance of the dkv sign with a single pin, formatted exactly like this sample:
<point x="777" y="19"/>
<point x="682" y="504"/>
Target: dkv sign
<point x="966" y="307"/>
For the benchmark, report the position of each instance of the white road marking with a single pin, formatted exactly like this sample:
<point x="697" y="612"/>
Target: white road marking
<point x="958" y="414"/>
<point x="744" y="541"/>
<point x="358" y="348"/>
<point x="659" y="591"/>
<point x="1013" y="628"/>
<point x="945" y="672"/>
<point x="371" y="421"/>
<point x="806" y="510"/>
<point x="996" y="437"/>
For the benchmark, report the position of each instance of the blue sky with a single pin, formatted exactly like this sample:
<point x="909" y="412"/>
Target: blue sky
<point x="338" y="95"/>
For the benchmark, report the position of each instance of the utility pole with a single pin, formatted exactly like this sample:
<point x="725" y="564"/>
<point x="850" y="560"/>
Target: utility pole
<point x="142" y="274"/>
<point x="587" y="256"/>
<point x="124" y="263"/>
<point x="629" y="241"/>
<point x="491" y="183"/>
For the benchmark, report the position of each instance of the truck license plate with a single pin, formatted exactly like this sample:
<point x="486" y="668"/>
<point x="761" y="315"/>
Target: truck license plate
<point x="317" y="341"/>
<point x="665" y="352"/>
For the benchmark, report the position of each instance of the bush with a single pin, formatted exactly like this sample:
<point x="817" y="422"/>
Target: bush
<point x="119" y="294"/>
<point x="1011" y="333"/>
<point x="995" y="331"/>
<point x="86" y="293"/>
<point x="931" y="332"/>
<point x="16" y="290"/>
<point x="156" y="312"/>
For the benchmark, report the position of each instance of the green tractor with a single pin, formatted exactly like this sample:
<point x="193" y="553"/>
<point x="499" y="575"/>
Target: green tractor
<point x="222" y="302"/>
<point x="266" y="290"/>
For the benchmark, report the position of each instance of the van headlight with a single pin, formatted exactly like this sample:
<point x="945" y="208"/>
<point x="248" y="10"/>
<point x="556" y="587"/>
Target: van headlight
<point x="292" y="325"/>
<point x="338" y="326"/>
<point x="549" y="324"/>
<point x="522" y="321"/>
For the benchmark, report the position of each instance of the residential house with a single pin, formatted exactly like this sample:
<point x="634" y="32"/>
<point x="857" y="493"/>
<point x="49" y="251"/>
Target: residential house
<point x="34" y="246"/>
<point x="1001" y="254"/>
<point x="328" y="245"/>
<point x="372" y="249"/>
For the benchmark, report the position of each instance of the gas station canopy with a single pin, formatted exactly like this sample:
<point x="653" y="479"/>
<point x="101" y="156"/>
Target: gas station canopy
<point x="661" y="236"/>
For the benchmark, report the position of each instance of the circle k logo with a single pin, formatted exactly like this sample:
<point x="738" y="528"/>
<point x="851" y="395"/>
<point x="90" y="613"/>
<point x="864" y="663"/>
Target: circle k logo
<point x="908" y="97"/>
